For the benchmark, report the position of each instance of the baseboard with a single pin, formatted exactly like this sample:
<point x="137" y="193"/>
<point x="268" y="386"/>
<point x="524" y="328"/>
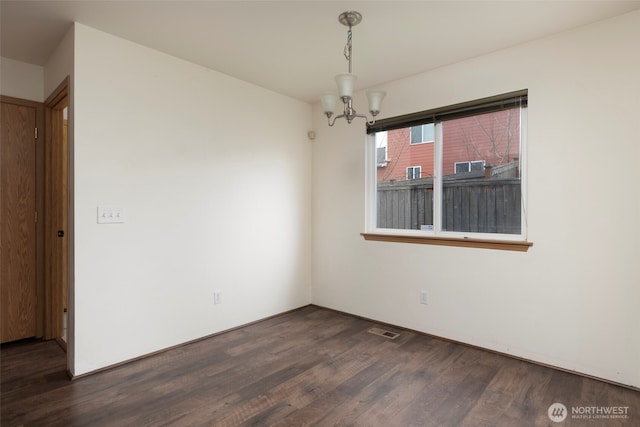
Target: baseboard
<point x="144" y="356"/>
<point x="511" y="356"/>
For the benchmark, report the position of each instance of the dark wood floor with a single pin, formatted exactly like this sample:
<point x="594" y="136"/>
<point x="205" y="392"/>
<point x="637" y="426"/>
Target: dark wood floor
<point x="309" y="367"/>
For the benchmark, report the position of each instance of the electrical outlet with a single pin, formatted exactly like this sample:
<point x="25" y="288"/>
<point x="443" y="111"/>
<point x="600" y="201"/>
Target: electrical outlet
<point x="217" y="297"/>
<point x="423" y="297"/>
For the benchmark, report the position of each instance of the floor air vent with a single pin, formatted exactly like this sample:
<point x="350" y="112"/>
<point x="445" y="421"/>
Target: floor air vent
<point x="383" y="333"/>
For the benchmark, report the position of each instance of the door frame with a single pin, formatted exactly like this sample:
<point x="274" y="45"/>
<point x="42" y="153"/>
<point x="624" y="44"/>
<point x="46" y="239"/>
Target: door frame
<point x="53" y="309"/>
<point x="40" y="137"/>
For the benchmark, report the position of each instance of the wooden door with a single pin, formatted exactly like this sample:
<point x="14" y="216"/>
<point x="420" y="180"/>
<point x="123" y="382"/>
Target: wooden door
<point x="18" y="222"/>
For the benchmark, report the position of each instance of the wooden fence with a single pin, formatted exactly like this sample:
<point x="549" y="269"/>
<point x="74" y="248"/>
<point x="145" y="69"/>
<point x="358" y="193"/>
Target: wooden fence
<point x="474" y="205"/>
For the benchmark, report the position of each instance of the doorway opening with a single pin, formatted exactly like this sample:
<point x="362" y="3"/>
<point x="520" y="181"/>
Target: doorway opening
<point x="57" y="233"/>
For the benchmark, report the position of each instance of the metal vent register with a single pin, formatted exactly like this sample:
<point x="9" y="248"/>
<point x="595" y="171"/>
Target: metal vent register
<point x="383" y="333"/>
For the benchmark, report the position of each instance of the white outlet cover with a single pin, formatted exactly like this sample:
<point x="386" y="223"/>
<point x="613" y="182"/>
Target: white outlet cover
<point x="423" y="297"/>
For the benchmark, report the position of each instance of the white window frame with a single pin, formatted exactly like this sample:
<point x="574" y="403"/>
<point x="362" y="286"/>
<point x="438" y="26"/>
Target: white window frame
<point x="436" y="232"/>
<point x="413" y="172"/>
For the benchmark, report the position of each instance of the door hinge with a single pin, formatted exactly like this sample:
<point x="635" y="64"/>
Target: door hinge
<point x="35" y="133"/>
<point x="36" y="219"/>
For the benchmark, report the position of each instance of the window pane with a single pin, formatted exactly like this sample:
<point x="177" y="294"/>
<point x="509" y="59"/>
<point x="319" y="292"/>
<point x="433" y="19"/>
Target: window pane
<point x="487" y="198"/>
<point x="416" y="134"/>
<point x="461" y="167"/>
<point x="428" y="132"/>
<point x="423" y="133"/>
<point x="404" y="185"/>
<point x="477" y="166"/>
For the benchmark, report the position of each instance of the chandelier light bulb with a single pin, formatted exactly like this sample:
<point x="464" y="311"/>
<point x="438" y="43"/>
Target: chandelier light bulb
<point x="329" y="101"/>
<point x="346" y="83"/>
<point x="375" y="98"/>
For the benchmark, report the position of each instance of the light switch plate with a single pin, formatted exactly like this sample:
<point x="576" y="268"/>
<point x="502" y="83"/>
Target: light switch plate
<point x="110" y="215"/>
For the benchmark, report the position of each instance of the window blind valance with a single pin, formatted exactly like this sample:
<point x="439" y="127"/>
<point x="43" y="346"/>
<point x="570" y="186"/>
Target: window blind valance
<point x="464" y="109"/>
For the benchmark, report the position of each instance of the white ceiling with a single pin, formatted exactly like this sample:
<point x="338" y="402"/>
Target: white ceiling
<point x="296" y="47"/>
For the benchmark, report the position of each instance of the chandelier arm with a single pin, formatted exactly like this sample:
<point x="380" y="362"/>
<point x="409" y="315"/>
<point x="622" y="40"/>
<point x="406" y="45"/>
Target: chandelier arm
<point x="350" y="118"/>
<point x="333" y="122"/>
<point x="364" y="116"/>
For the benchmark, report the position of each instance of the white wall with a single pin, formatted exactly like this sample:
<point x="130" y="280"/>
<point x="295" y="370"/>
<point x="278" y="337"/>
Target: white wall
<point x="21" y="80"/>
<point x="214" y="176"/>
<point x="572" y="300"/>
<point x="60" y="65"/>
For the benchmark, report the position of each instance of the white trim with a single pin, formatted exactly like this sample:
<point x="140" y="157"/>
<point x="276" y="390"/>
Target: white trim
<point x="437" y="180"/>
<point x="370" y="183"/>
<point x="524" y="180"/>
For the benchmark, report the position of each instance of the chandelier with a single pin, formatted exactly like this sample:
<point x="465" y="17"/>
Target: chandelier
<point x="347" y="81"/>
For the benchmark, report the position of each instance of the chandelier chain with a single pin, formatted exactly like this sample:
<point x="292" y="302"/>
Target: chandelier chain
<point x="347" y="48"/>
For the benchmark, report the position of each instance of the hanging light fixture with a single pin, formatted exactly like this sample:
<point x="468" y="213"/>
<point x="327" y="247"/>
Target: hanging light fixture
<point x="346" y="83"/>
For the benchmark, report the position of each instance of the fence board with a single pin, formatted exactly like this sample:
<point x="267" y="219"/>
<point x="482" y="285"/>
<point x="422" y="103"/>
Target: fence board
<point x="473" y="205"/>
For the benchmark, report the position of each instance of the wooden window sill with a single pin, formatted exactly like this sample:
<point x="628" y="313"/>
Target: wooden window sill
<point x="504" y="245"/>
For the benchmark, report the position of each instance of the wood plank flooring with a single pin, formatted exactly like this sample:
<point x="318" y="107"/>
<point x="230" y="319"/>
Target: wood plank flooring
<point x="309" y="367"/>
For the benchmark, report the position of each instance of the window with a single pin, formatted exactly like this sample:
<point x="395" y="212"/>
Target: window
<point x="422" y="133"/>
<point x="461" y="167"/>
<point x="471" y="182"/>
<point x="413" y="172"/>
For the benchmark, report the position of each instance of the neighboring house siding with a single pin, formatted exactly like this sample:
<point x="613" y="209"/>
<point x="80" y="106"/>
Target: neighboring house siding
<point x="492" y="137"/>
<point x="401" y="155"/>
